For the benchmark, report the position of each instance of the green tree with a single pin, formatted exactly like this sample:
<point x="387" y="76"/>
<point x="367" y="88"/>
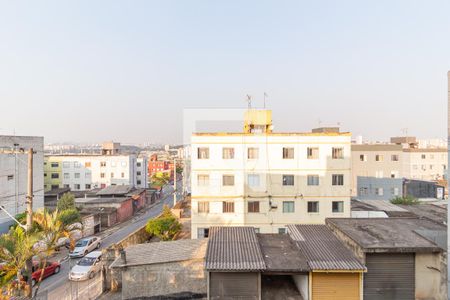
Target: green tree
<point x="67" y="201"/>
<point x="70" y="216"/>
<point x="16" y="247"/>
<point x="407" y="200"/>
<point x="165" y="227"/>
<point x="160" y="178"/>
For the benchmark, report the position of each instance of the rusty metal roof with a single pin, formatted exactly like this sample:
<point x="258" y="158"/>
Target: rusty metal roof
<point x="322" y="249"/>
<point x="234" y="249"/>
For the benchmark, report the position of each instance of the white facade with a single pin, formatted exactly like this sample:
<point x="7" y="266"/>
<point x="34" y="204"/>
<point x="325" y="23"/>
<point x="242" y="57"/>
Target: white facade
<point x="14" y="176"/>
<point x="275" y="188"/>
<point x="84" y="172"/>
<point x="425" y="164"/>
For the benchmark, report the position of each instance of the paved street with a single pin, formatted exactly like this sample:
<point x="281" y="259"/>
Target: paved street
<point x="59" y="287"/>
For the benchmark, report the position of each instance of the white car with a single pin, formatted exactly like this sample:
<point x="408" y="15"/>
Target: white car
<point x="84" y="246"/>
<point x="87" y="267"/>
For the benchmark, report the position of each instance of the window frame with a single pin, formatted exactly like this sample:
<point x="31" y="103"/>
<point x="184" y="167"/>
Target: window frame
<point x="288" y="152"/>
<point x="311" y="211"/>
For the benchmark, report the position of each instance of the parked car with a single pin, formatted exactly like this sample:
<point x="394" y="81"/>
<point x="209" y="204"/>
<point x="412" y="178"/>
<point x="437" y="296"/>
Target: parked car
<point x="87" y="267"/>
<point x="84" y="246"/>
<point x="50" y="269"/>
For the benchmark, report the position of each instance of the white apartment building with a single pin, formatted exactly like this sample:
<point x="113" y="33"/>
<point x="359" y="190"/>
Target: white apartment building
<point x="425" y="163"/>
<point x="14" y="176"/>
<point x="268" y="180"/>
<point x="84" y="172"/>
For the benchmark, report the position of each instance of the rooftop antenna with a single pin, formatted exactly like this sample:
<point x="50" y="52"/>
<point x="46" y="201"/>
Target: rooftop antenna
<point x="265" y="96"/>
<point x="404" y="131"/>
<point x="249" y="101"/>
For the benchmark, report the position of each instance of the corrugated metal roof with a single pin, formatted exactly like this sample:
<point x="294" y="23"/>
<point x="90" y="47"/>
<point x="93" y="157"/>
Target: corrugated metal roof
<point x="234" y="249"/>
<point x="115" y="190"/>
<point x="322" y="248"/>
<point x="162" y="252"/>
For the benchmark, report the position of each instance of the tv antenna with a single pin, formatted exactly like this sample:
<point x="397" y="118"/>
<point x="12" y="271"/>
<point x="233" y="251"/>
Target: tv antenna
<point x="404" y="131"/>
<point x="249" y="101"/>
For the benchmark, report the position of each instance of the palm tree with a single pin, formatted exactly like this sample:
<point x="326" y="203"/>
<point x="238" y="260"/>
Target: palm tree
<point x="16" y="248"/>
<point x="52" y="229"/>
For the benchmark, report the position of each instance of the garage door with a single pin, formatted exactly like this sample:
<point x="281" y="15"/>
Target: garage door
<point x="335" y="286"/>
<point x="242" y="286"/>
<point x="389" y="277"/>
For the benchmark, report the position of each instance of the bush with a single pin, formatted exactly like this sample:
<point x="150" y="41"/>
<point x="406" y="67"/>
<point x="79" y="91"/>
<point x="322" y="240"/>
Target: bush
<point x="70" y="216"/>
<point x="165" y="227"/>
<point x="407" y="200"/>
<point x="67" y="201"/>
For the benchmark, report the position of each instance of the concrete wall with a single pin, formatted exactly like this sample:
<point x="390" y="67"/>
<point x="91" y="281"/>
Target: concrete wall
<point x="164" y="279"/>
<point x="391" y="188"/>
<point x="302" y="284"/>
<point x="431" y="281"/>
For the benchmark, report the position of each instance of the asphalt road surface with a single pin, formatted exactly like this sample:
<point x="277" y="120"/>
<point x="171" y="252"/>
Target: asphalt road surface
<point x="59" y="287"/>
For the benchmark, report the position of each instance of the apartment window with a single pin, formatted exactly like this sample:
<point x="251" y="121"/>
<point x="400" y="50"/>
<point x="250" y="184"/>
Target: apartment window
<point x="138" y="182"/>
<point x="45" y="174"/>
<point x="338" y="153"/>
<point x="103" y="164"/>
<point x="66" y="186"/>
<point x="112" y="174"/>
<point x="394" y="191"/>
<point x="55" y="186"/>
<point x="54" y="165"/>
<point x="77" y="164"/>
<point x="288" y="180"/>
<point x="431" y="167"/>
<point x="252" y="153"/>
<point x="228" y="180"/>
<point x="77" y="175"/>
<point x="379" y="157"/>
<point x="203" y="207"/>
<point x="10" y="177"/>
<point x="202" y="180"/>
<point x="394" y="174"/>
<point x="444" y="167"/>
<point x="424" y="168"/>
<point x="102" y="175"/>
<point x="288" y="206"/>
<point x="122" y="175"/>
<point x="363" y="157"/>
<point x="253" y="180"/>
<point x="337" y="206"/>
<point x="138" y="173"/>
<point x="76" y="186"/>
<point x="312" y="153"/>
<point x="203" y="153"/>
<point x="313" y="206"/>
<point x="253" y="206"/>
<point x="87" y="175"/>
<point x="363" y="191"/>
<point x="337" y="179"/>
<point x="66" y="164"/>
<point x="424" y="156"/>
<point x="288" y="153"/>
<point x="379" y="191"/>
<point x="202" y="232"/>
<point x="431" y="156"/>
<point x="379" y="174"/>
<point x="124" y="164"/>
<point x="394" y="157"/>
<point x="228" y="207"/>
<point x="87" y="186"/>
<point x="282" y="230"/>
<point x="87" y="164"/>
<point x="55" y="175"/>
<point x="228" y="153"/>
<point x="138" y="164"/>
<point x="313" y="179"/>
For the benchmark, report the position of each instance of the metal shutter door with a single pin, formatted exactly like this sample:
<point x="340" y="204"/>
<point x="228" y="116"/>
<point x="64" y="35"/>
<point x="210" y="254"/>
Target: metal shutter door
<point x="335" y="286"/>
<point x="242" y="286"/>
<point x="389" y="277"/>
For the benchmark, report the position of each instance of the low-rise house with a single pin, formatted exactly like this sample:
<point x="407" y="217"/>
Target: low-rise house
<point x="123" y="207"/>
<point x="174" y="268"/>
<point x="404" y="260"/>
<point x="309" y="263"/>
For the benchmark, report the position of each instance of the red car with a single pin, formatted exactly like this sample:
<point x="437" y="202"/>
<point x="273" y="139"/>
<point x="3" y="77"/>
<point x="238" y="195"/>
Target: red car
<point x="50" y="269"/>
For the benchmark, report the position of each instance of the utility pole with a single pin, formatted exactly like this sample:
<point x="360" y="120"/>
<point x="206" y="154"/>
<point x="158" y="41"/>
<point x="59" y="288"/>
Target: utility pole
<point x="174" y="182"/>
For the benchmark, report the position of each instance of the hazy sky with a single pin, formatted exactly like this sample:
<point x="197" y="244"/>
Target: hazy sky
<point x="87" y="71"/>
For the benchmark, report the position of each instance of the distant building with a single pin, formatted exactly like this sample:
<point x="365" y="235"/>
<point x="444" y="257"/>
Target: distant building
<point x="266" y="179"/>
<point x="88" y="171"/>
<point x="13" y="176"/>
